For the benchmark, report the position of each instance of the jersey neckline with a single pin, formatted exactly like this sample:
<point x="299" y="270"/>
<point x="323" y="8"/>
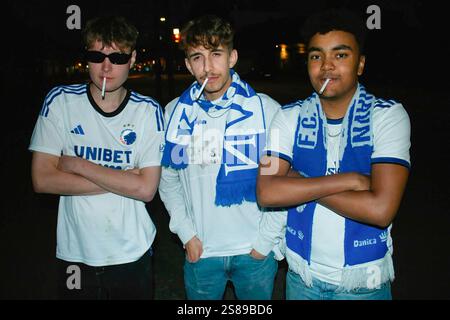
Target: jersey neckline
<point x="335" y="121"/>
<point x="108" y="114"/>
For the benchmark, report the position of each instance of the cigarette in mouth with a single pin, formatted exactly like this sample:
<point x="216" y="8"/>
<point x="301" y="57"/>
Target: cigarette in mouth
<point x="201" y="89"/>
<point x="324" y="86"/>
<point x="103" y="88"/>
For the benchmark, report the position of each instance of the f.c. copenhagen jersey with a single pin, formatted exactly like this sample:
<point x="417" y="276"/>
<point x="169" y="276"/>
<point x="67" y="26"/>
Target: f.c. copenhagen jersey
<point x="104" y="229"/>
<point x="391" y="134"/>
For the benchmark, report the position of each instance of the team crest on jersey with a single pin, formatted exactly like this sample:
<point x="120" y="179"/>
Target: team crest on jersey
<point x="128" y="137"/>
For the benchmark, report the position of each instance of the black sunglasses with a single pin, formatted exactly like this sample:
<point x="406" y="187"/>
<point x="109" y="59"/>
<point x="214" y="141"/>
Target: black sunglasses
<point x="115" y="57"/>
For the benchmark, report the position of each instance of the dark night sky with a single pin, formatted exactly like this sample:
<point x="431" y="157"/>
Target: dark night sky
<point x="400" y="51"/>
<point x="41" y="25"/>
<point x="47" y="18"/>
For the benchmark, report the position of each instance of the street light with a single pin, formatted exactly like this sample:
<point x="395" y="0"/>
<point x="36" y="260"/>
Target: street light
<point x="176" y="35"/>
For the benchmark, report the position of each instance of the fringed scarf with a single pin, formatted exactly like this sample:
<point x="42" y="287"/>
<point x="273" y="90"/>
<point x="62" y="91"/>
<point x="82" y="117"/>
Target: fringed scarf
<point x="362" y="243"/>
<point x="244" y="138"/>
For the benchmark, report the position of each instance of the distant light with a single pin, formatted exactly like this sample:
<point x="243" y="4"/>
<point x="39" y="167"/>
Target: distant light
<point x="162" y="19"/>
<point x="277" y="46"/>
<point x="284" y="54"/>
<point x="79" y="64"/>
<point x="176" y="35"/>
<point x="301" y="48"/>
<point x="143" y="50"/>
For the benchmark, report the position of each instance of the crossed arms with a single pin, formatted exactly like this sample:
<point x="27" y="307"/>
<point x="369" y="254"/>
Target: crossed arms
<point x="373" y="200"/>
<point x="67" y="175"/>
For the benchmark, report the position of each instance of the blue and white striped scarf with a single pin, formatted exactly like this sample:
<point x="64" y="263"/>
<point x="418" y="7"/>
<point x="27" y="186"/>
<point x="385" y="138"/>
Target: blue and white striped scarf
<point x="362" y="243"/>
<point x="244" y="138"/>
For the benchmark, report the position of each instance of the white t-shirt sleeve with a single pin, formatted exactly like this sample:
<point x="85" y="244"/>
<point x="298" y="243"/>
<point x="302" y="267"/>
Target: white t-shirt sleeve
<point x="392" y="132"/>
<point x="168" y="110"/>
<point x="272" y="229"/>
<point x="172" y="194"/>
<point x="48" y="133"/>
<point x="270" y="107"/>
<point x="150" y="153"/>
<point x="281" y="137"/>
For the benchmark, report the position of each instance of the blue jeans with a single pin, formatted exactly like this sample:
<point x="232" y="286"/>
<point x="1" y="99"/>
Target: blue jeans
<point x="296" y="289"/>
<point x="252" y="279"/>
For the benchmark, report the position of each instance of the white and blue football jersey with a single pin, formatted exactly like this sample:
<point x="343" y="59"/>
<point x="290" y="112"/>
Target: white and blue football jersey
<point x="189" y="194"/>
<point x="391" y="142"/>
<point x="104" y="229"/>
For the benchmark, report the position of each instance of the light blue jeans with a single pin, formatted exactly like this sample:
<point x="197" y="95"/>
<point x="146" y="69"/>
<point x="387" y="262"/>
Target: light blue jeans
<point x="252" y="279"/>
<point x="296" y="289"/>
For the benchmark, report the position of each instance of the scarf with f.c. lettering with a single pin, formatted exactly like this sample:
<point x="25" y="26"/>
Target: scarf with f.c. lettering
<point x="362" y="243"/>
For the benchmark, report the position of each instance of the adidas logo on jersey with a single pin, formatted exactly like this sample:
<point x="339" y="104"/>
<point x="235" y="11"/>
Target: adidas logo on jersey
<point x="383" y="236"/>
<point x="78" y="130"/>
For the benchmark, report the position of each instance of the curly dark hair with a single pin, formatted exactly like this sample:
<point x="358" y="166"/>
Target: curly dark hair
<point x="109" y="30"/>
<point x="209" y="31"/>
<point x="336" y="20"/>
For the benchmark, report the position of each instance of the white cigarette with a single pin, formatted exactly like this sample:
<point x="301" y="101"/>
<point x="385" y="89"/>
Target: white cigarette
<point x="103" y="88"/>
<point x="324" y="86"/>
<point x="199" y="94"/>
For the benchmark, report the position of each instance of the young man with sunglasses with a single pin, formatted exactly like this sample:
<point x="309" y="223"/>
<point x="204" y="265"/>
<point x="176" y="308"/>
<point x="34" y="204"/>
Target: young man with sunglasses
<point x="102" y="155"/>
<point x="215" y="134"/>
